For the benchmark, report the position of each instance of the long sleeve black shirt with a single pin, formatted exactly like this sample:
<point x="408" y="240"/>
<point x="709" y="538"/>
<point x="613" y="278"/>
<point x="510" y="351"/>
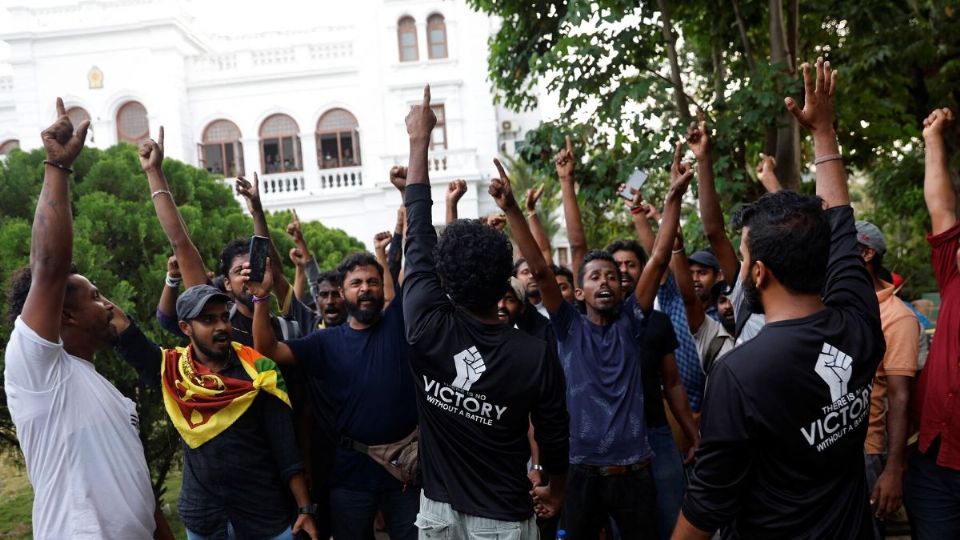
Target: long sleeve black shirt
<point x="242" y="474"/>
<point x="478" y="386"/>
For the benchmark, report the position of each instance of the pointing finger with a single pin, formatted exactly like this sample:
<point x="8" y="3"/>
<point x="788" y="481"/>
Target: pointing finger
<point x="569" y="144"/>
<point x="676" y="154"/>
<point x="296" y="218"/>
<point x="426" y="96"/>
<point x="700" y="120"/>
<point x="256" y="180"/>
<point x="61" y="110"/>
<point x="160" y="139"/>
<point x="503" y="174"/>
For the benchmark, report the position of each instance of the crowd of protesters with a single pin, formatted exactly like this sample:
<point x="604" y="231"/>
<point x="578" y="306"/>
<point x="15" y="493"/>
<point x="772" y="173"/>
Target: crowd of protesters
<point x="465" y="386"/>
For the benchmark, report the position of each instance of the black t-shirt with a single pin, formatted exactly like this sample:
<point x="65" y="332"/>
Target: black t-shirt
<point x="478" y="387"/>
<point x="535" y="324"/>
<point x="657" y="340"/>
<point x="785" y="416"/>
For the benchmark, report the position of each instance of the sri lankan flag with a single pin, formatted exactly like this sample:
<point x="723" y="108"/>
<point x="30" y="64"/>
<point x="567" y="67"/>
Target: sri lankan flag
<point x="202" y="403"/>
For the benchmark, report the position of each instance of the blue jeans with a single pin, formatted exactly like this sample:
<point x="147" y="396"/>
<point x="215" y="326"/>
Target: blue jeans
<point x="931" y="494"/>
<point x="352" y="512"/>
<point x="232" y="534"/>
<point x="667" y="470"/>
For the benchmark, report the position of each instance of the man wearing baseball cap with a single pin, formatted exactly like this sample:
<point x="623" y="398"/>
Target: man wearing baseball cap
<point x="231" y="409"/>
<point x="886" y="443"/>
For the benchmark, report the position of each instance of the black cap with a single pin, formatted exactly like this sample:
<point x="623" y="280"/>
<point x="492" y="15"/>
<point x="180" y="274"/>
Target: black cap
<point x="193" y="300"/>
<point x="705" y="258"/>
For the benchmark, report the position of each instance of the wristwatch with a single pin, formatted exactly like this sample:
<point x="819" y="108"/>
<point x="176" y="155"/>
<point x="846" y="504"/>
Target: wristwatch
<point x="308" y="509"/>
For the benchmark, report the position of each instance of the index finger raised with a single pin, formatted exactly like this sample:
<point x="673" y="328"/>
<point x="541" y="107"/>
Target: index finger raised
<point x="503" y="174"/>
<point x="61" y="110"/>
<point x="426" y="96"/>
<point x="678" y="152"/>
<point x="569" y="144"/>
<point x="160" y="139"/>
<point x="296" y="218"/>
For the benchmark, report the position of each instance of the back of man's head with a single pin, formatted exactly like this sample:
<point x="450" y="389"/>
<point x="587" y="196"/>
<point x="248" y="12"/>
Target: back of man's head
<point x="19" y="286"/>
<point x="790" y="234"/>
<point x="475" y="262"/>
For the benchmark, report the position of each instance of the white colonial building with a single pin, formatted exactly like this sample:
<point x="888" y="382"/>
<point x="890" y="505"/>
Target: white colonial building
<point x="317" y="107"/>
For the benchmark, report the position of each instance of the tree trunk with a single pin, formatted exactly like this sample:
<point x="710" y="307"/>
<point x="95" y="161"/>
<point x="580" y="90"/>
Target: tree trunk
<point x="788" y="132"/>
<point x="747" y="49"/>
<point x="683" y="108"/>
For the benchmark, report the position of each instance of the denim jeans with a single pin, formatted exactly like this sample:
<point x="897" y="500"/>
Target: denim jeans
<point x="668" y="476"/>
<point x="352" y="512"/>
<point x="439" y="521"/>
<point x="931" y="494"/>
<point x="232" y="534"/>
<point x="630" y="499"/>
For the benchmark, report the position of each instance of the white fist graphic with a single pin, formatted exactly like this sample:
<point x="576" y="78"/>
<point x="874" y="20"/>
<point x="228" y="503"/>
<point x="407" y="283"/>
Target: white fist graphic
<point x="469" y="366"/>
<point x="833" y="366"/>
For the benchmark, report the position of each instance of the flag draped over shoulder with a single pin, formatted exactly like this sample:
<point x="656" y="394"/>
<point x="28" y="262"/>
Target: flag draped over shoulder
<point x="202" y="404"/>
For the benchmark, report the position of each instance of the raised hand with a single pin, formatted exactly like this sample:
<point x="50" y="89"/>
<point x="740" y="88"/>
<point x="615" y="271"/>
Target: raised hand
<point x="262" y="288"/>
<point x="173" y="267"/>
<point x="381" y="240"/>
<point x="421" y="120"/>
<point x="60" y="141"/>
<point x="497" y="221"/>
<point x="250" y="193"/>
<point x="455" y="190"/>
<point x="680" y="174"/>
<point x="151" y="154"/>
<point x="564" y="160"/>
<point x="698" y="137"/>
<point x="766" y="173"/>
<point x="817" y="112"/>
<point x="533" y="195"/>
<point x="937" y="123"/>
<point x="298" y="257"/>
<point x="501" y="191"/>
<point x="398" y="177"/>
<point x="636" y="198"/>
<point x="294" y="230"/>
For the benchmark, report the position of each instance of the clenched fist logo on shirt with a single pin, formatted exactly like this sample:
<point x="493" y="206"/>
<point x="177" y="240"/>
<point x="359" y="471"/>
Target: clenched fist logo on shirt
<point x="469" y="366"/>
<point x="835" y="368"/>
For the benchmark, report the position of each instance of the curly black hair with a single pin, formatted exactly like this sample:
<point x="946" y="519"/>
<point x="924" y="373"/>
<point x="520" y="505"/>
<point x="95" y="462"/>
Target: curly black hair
<point x="353" y="260"/>
<point x="19" y="285"/>
<point x="629" y="245"/>
<point x="240" y="246"/>
<point x="474" y="262"/>
<point x="562" y="271"/>
<point x="790" y="233"/>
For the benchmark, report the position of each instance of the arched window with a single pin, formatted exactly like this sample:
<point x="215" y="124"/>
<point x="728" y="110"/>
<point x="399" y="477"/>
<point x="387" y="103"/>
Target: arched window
<point x="407" y="37"/>
<point x="437" y="36"/>
<point x="221" y="151"/>
<point x="7" y="146"/>
<point x="77" y="116"/>
<point x="338" y="144"/>
<point x="280" y="144"/>
<point x="132" y="123"/>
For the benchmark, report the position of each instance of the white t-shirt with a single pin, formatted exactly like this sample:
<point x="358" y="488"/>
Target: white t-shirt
<point x="705" y="335"/>
<point x="79" y="439"/>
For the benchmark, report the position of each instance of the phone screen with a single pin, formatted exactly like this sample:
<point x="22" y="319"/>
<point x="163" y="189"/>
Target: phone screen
<point x="635" y="182"/>
<point x="258" y="257"/>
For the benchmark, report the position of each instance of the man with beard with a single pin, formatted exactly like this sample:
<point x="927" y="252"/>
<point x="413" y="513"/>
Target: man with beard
<point x="785" y="414"/>
<point x="603" y="353"/>
<point x="363" y="367"/>
<point x="230" y="407"/>
<point x="78" y="433"/>
<point x="521" y="271"/>
<point x="329" y="301"/>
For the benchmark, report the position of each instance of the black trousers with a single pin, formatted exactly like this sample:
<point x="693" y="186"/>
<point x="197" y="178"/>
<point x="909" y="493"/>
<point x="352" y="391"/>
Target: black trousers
<point x="629" y="499"/>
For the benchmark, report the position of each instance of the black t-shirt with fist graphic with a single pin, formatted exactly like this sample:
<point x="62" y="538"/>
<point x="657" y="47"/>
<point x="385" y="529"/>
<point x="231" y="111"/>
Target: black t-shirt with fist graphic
<point x="785" y="416"/>
<point x="478" y="388"/>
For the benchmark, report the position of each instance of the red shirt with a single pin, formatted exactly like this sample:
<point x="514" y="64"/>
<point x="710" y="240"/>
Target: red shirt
<point x="938" y="394"/>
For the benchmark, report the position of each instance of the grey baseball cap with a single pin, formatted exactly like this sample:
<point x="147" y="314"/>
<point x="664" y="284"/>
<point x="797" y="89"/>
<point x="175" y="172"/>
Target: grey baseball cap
<point x="869" y="235"/>
<point x="705" y="258"/>
<point x="193" y="300"/>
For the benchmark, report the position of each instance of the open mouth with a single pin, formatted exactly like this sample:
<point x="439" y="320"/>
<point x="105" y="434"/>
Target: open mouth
<point x="503" y="314"/>
<point x="604" y="294"/>
<point x="221" y="338"/>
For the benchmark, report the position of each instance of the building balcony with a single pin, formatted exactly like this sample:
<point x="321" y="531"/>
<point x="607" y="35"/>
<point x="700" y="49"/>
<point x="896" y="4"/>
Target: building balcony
<point x="296" y="184"/>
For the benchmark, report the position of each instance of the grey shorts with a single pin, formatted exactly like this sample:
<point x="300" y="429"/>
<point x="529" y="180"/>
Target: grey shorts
<point x="439" y="521"/>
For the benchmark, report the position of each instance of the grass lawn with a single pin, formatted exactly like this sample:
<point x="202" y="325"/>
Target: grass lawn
<point x="16" y="502"/>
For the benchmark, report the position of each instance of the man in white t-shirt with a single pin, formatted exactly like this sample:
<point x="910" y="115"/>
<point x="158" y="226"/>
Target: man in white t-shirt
<point x="78" y="433"/>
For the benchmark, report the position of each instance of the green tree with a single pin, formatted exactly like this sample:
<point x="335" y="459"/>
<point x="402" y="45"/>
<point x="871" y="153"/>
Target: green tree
<point x="637" y="70"/>
<point x="119" y="246"/>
